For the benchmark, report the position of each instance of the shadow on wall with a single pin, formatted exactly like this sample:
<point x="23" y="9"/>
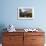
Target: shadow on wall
<point x="2" y="26"/>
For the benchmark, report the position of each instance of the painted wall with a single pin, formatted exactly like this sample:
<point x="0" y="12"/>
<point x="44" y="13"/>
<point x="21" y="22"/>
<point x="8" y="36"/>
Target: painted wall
<point x="9" y="13"/>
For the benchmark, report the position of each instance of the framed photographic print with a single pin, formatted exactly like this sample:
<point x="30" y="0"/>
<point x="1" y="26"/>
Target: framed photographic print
<point x="25" y="13"/>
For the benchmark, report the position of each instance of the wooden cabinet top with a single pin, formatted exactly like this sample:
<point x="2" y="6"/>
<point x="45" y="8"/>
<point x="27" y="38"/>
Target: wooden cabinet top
<point x="23" y="33"/>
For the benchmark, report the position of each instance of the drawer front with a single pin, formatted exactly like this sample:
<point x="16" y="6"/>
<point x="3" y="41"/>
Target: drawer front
<point x="13" y="33"/>
<point x="8" y="45"/>
<point x="12" y="44"/>
<point x="27" y="41"/>
<point x="34" y="33"/>
<point x="12" y="39"/>
<point x="37" y="39"/>
<point x="33" y="40"/>
<point x="37" y="44"/>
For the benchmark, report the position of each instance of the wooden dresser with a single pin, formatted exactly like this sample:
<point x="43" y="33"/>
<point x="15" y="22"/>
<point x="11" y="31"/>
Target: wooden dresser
<point x="23" y="39"/>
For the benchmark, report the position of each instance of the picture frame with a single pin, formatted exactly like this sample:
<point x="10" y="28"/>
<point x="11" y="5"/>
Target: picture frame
<point x="25" y="13"/>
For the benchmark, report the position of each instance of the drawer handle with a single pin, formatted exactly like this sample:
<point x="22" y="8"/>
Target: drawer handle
<point x="33" y="39"/>
<point x="11" y="38"/>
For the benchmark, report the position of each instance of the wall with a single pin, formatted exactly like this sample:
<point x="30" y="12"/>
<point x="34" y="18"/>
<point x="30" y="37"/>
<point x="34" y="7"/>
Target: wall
<point x="9" y="13"/>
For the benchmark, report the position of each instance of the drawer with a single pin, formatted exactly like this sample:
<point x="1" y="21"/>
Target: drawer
<point x="37" y="44"/>
<point x="14" y="44"/>
<point x="27" y="41"/>
<point x="13" y="33"/>
<point x="34" y="39"/>
<point x="37" y="39"/>
<point x="8" y="45"/>
<point x="34" y="33"/>
<point x="12" y="39"/>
